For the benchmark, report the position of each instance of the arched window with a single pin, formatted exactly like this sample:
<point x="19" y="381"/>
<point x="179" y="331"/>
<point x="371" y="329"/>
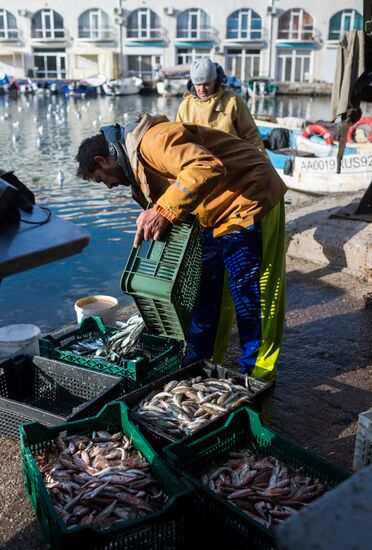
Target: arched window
<point x="295" y="24"/>
<point x="47" y="24"/>
<point x="143" y="23"/>
<point x="94" y="24"/>
<point x="194" y="23"/>
<point x="244" y="24"/>
<point x="8" y="25"/>
<point x="344" y="21"/>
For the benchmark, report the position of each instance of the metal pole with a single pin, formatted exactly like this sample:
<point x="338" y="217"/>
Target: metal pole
<point x="119" y="20"/>
<point x="365" y="205"/>
<point x="367" y="28"/>
<point x="121" y="47"/>
<point x="270" y="40"/>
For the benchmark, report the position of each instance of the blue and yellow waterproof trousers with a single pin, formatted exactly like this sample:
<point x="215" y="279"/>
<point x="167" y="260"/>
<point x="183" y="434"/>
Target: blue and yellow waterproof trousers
<point x="254" y="261"/>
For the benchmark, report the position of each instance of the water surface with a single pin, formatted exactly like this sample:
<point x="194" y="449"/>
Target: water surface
<point x="39" y="139"/>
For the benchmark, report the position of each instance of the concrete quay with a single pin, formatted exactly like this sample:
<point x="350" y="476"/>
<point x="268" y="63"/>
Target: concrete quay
<point x="324" y="377"/>
<point x="325" y="231"/>
<point x="304" y="88"/>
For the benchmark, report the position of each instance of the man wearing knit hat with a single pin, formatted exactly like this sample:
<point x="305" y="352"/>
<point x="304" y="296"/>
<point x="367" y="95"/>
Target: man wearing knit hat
<point x="209" y="102"/>
<point x="203" y="74"/>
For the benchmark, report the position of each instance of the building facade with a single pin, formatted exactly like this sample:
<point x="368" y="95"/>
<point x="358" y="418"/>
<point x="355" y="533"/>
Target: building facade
<point x="285" y="40"/>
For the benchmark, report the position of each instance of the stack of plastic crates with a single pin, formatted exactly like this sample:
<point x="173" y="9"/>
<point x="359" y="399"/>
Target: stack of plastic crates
<point x="363" y="442"/>
<point x="168" y="527"/>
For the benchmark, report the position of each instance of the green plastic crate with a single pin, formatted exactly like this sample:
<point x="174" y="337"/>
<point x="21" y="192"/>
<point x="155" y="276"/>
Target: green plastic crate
<point x="166" y="528"/>
<point x="242" y="429"/>
<point x="163" y="277"/>
<point x="157" y="355"/>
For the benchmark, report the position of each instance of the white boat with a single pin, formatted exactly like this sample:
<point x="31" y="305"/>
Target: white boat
<point x="125" y="86"/>
<point x="261" y="87"/>
<point x="310" y="165"/>
<point x="171" y="87"/>
<point x="173" y="80"/>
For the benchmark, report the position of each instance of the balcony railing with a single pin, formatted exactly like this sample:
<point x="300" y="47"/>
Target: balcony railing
<point x="48" y="34"/>
<point x="300" y="35"/>
<point x="195" y="34"/>
<point x="102" y="34"/>
<point x="9" y="35"/>
<point x="252" y="35"/>
<point x="144" y="34"/>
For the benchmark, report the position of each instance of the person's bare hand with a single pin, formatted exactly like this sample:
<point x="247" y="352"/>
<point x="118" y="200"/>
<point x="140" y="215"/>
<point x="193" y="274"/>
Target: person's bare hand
<point x="150" y="225"/>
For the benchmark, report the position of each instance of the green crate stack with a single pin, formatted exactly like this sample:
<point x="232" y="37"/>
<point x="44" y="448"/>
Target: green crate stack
<point x="242" y="429"/>
<point x="157" y="355"/>
<point x="167" y="528"/>
<point x="163" y="278"/>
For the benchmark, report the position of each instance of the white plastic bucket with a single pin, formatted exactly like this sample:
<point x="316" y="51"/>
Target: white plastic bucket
<point x="19" y="339"/>
<point x="105" y="307"/>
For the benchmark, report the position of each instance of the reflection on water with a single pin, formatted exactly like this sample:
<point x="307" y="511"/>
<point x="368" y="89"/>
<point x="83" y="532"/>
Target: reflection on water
<point x="39" y="139"/>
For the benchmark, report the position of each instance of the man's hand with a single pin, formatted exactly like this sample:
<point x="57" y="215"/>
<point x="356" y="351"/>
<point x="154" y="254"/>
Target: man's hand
<point x="150" y="225"/>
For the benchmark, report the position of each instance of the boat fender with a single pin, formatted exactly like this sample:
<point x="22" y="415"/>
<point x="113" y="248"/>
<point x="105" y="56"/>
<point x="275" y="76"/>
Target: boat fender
<point x="288" y="167"/>
<point x="319" y="130"/>
<point x="363" y="121"/>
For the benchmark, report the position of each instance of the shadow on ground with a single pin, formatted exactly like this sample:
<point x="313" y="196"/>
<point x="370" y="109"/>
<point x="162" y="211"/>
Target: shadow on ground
<point x="324" y="377"/>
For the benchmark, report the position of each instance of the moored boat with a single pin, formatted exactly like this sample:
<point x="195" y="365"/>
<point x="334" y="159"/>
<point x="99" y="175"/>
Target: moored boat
<point x="308" y="163"/>
<point x="171" y="87"/>
<point x="173" y="80"/>
<point x="261" y="87"/>
<point x="125" y="86"/>
<point x="4" y="83"/>
<point x="88" y="86"/>
<point x="18" y="86"/>
<point x="236" y="86"/>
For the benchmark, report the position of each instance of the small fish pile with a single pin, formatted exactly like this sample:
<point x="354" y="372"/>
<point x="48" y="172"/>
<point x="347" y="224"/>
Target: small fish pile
<point x="265" y="489"/>
<point x="118" y="345"/>
<point x="186" y="405"/>
<point x="99" y="481"/>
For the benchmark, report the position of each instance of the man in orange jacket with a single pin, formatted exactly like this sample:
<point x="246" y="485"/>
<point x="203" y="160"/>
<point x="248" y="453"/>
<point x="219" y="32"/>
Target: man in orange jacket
<point x="183" y="169"/>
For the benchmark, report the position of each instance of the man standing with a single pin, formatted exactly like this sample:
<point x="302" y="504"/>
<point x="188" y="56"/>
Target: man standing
<point x="209" y="102"/>
<point x="183" y="169"/>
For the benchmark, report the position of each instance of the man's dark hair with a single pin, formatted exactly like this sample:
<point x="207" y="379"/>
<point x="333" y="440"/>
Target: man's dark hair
<point x="88" y="149"/>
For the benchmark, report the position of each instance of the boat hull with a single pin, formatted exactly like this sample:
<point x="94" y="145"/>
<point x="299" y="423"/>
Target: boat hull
<point x="126" y="86"/>
<point x="171" y="88"/>
<point x="310" y="166"/>
<point x="318" y="175"/>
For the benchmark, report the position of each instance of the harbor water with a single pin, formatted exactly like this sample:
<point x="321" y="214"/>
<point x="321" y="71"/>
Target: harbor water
<point x="39" y="139"/>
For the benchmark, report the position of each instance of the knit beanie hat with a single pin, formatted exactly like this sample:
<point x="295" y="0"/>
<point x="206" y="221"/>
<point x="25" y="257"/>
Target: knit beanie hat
<point x="202" y="71"/>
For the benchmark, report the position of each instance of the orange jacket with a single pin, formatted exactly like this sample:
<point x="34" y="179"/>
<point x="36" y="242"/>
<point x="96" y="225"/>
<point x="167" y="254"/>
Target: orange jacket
<point x="184" y="168"/>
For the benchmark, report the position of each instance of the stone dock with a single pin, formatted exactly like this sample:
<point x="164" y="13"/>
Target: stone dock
<point x="324" y="377"/>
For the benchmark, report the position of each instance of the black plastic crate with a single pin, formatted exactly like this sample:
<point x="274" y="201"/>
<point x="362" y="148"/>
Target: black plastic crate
<point x="50" y="392"/>
<point x="259" y="390"/>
